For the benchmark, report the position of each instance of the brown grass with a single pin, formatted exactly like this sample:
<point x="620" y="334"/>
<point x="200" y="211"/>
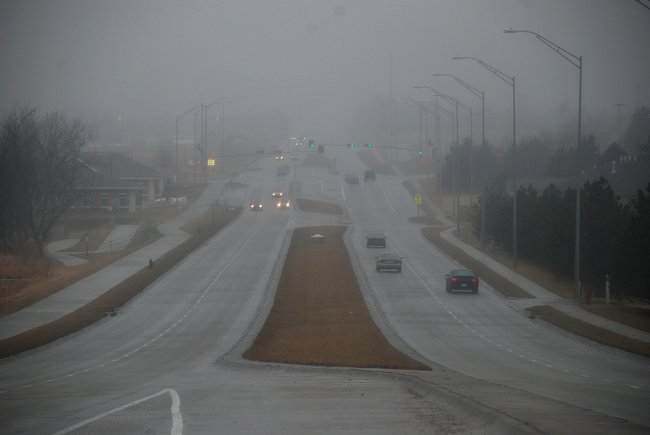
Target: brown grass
<point x="499" y="283"/>
<point x="60" y="277"/>
<point x="319" y="206"/>
<point x="319" y="316"/>
<point x="118" y="295"/>
<point x="632" y="316"/>
<point x="587" y="330"/>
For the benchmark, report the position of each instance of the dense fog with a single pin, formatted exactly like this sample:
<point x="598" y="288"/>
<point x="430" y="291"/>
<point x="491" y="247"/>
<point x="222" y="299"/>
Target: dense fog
<point x="320" y="67"/>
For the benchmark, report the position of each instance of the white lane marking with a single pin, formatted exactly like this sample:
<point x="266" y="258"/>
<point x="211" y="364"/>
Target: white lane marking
<point x="177" y="417"/>
<point x="387" y="198"/>
<point x="157" y="337"/>
<point x="487" y="339"/>
<point x="322" y="189"/>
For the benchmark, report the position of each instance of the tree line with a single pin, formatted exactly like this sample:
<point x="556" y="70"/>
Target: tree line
<point x="40" y="176"/>
<point x="546" y="155"/>
<point x="615" y="237"/>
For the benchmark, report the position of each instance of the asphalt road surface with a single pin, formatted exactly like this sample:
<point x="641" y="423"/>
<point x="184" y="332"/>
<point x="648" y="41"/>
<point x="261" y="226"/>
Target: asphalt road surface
<point x="168" y="361"/>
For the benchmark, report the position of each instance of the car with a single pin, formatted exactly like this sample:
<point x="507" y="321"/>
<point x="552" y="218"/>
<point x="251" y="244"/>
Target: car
<point x="277" y="194"/>
<point x="369" y="175"/>
<point x="376" y="241"/>
<point x="283" y="203"/>
<point x="256" y="206"/>
<point x="462" y="279"/>
<point x="388" y="261"/>
<point x="352" y="179"/>
<point x="279" y="155"/>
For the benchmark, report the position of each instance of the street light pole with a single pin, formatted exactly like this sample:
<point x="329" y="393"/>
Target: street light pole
<point x="456" y="104"/>
<point x="619" y="105"/>
<point x="223" y="123"/>
<point x="511" y="81"/>
<point x="481" y="95"/>
<point x="455" y="201"/>
<point x="205" y="124"/>
<point x="178" y="119"/>
<point x="577" y="62"/>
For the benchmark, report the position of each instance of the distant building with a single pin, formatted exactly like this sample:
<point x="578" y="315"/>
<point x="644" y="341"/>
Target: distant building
<point x="120" y="183"/>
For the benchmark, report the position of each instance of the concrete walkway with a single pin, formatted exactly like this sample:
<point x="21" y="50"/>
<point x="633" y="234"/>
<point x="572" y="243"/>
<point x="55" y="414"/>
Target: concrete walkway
<point x="541" y="296"/>
<point x="86" y="290"/>
<point x="55" y="250"/>
<point x="118" y="238"/>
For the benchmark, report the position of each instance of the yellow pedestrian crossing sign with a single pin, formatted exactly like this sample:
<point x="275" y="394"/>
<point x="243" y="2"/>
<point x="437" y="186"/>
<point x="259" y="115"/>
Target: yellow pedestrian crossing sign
<point x="418" y="199"/>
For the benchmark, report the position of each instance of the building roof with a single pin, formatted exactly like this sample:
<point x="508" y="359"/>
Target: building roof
<point x="116" y="171"/>
<point x="119" y="166"/>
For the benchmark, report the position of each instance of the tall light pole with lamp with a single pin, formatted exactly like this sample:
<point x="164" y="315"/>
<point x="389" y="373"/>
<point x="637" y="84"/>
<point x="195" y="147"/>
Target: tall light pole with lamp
<point x="223" y="123"/>
<point x="619" y="105"/>
<point x="205" y="124"/>
<point x="456" y="104"/>
<point x="510" y="81"/>
<point x="481" y="95"/>
<point x="178" y="119"/>
<point x="577" y="62"/>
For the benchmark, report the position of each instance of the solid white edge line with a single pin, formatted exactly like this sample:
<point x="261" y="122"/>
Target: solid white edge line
<point x="177" y="417"/>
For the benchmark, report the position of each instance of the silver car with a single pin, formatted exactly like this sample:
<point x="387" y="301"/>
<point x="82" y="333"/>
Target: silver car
<point x="388" y="261"/>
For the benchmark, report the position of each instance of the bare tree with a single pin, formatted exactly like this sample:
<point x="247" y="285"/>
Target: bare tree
<point x="41" y="176"/>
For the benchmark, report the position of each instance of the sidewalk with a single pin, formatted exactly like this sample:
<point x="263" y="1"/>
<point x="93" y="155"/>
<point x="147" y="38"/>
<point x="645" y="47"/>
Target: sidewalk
<point x="93" y="286"/>
<point x="541" y="296"/>
<point x="88" y="289"/>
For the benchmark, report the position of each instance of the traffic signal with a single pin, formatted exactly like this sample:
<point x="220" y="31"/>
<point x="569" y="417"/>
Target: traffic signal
<point x="321" y="149"/>
<point x="352" y="145"/>
<point x="311" y="143"/>
<point x="421" y="154"/>
<point x="369" y="145"/>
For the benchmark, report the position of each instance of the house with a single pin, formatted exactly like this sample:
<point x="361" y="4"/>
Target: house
<point x="120" y="183"/>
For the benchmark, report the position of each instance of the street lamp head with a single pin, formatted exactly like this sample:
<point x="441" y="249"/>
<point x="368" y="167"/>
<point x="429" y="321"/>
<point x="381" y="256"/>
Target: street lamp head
<point x="511" y="30"/>
<point x="459" y="57"/>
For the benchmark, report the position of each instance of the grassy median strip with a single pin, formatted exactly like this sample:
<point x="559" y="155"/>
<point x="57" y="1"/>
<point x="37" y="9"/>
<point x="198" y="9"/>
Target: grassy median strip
<point x="319" y="206"/>
<point x="319" y="316"/>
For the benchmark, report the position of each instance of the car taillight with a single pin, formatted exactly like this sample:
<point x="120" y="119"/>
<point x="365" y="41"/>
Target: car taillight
<point x="454" y="279"/>
<point x="474" y="279"/>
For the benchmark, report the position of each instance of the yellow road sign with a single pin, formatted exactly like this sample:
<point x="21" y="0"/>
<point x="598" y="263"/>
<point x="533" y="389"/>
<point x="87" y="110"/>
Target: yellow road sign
<point x="212" y="162"/>
<point x="418" y="199"/>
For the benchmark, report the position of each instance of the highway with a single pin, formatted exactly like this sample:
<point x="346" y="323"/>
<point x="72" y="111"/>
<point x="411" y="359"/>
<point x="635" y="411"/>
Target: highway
<point x="168" y="361"/>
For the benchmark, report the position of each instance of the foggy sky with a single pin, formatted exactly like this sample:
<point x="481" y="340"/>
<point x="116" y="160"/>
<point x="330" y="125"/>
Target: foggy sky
<point x="317" y="61"/>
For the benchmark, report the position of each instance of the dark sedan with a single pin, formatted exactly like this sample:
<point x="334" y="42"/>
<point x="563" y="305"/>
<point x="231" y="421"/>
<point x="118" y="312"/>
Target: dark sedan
<point x="462" y="279"/>
<point x="388" y="261"/>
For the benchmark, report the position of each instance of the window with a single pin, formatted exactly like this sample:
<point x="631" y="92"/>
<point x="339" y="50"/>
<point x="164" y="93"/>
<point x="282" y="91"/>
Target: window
<point x="124" y="200"/>
<point x="105" y="200"/>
